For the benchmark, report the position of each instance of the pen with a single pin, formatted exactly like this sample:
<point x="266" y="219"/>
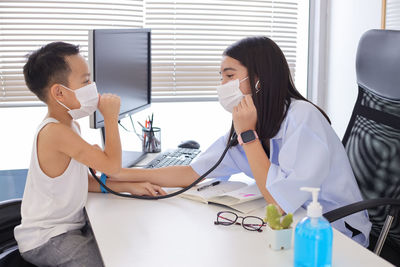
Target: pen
<point x="206" y="186"/>
<point x="151" y="122"/>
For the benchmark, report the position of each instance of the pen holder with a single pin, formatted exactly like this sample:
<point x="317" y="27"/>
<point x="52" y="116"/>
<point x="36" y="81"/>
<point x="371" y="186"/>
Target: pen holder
<point x="151" y="140"/>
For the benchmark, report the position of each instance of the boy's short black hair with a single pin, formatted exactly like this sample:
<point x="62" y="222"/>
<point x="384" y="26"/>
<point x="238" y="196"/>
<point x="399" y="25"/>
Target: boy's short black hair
<point x="47" y="66"/>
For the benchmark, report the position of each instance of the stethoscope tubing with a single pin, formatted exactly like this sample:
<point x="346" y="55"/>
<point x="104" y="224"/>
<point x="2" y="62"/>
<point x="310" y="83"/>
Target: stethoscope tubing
<point x="198" y="180"/>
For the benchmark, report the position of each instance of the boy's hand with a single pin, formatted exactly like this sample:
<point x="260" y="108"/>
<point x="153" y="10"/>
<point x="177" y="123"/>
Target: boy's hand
<point x="144" y="189"/>
<point x="109" y="105"/>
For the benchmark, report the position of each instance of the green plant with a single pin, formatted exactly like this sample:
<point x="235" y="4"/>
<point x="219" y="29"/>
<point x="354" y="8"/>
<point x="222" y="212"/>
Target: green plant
<point x="274" y="218"/>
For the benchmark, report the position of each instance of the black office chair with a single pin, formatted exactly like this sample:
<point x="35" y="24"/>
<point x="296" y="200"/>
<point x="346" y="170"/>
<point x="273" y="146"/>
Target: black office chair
<point x="372" y="140"/>
<point x="10" y="216"/>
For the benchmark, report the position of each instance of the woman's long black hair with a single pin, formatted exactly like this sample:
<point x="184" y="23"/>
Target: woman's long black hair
<point x="265" y="60"/>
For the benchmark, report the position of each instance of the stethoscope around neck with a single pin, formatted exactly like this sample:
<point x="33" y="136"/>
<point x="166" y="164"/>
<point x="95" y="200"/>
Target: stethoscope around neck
<point x="232" y="142"/>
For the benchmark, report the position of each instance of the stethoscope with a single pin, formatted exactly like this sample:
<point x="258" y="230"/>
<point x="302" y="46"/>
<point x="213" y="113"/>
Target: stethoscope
<point x="232" y="142"/>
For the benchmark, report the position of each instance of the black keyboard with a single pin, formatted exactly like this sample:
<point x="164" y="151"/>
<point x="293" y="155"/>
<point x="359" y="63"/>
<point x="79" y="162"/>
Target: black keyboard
<point x="174" y="157"/>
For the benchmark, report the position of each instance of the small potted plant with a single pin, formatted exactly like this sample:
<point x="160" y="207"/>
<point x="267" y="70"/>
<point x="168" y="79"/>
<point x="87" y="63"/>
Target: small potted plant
<point x="278" y="230"/>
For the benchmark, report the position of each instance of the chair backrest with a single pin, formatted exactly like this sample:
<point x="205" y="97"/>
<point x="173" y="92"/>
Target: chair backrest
<point x="372" y="138"/>
<point x="10" y="216"/>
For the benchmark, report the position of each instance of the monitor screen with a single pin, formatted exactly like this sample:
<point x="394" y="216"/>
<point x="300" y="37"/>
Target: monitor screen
<point x="120" y="62"/>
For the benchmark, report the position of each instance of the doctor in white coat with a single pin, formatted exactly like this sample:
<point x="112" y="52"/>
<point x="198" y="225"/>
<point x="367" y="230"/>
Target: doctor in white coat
<point x="284" y="141"/>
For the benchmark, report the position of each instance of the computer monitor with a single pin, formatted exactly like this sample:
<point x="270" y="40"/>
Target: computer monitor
<point x="120" y="63"/>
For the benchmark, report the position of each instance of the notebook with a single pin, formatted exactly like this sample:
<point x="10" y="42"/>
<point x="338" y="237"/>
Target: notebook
<point x="237" y="195"/>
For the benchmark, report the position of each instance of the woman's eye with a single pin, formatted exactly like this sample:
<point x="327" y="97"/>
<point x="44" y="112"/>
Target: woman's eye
<point x="226" y="76"/>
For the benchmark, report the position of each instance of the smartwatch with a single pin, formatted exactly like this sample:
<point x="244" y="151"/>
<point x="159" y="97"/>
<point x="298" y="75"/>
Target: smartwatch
<point x="247" y="137"/>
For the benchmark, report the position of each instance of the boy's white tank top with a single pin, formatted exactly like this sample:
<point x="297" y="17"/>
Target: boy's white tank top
<point x="51" y="206"/>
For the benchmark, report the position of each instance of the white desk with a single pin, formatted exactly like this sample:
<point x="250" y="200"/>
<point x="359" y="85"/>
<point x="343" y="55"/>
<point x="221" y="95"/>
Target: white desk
<point x="180" y="232"/>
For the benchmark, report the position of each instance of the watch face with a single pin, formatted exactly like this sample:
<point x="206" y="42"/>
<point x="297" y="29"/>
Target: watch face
<point x="248" y="136"/>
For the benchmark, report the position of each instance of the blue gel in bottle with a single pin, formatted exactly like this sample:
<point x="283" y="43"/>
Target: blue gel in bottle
<point x="313" y="243"/>
<point x="313" y="237"/>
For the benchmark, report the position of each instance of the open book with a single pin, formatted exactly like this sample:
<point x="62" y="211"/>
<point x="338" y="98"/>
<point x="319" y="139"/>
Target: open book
<point x="234" y="194"/>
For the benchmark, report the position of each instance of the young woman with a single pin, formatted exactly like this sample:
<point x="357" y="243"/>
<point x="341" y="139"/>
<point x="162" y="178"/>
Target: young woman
<point x="285" y="142"/>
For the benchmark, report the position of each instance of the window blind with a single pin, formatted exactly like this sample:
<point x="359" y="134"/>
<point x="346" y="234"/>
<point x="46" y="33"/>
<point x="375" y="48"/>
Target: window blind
<point x="392" y="15"/>
<point x="27" y="25"/>
<point x="188" y="37"/>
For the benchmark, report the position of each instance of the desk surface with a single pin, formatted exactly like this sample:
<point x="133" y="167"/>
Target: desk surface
<point x="181" y="232"/>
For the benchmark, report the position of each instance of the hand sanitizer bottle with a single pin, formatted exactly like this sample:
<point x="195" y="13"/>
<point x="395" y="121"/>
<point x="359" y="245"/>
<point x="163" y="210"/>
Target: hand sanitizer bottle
<point x="313" y="236"/>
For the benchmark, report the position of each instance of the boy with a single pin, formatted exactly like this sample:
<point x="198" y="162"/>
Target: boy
<point x="53" y="231"/>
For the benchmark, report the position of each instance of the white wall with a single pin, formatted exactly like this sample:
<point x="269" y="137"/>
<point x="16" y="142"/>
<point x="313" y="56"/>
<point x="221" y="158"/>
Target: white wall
<point x="203" y="122"/>
<point x="347" y="21"/>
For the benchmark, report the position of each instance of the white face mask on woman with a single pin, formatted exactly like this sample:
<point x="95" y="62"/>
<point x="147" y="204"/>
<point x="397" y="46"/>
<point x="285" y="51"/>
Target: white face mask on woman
<point x="229" y="94"/>
<point x="88" y="97"/>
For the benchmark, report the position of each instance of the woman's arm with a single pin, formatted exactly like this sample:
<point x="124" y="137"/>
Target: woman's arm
<point x="174" y="176"/>
<point x="259" y="165"/>
<point x="245" y="118"/>
<point x="134" y="188"/>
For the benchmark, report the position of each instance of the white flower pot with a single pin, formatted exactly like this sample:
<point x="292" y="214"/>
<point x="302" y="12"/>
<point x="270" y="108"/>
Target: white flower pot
<point x="279" y="239"/>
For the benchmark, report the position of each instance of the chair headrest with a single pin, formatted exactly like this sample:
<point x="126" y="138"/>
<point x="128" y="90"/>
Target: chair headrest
<point x="378" y="63"/>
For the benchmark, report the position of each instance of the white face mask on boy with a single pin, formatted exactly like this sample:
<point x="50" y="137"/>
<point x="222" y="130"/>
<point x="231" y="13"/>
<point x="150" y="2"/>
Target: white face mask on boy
<point x="88" y="97"/>
<point x="229" y="94"/>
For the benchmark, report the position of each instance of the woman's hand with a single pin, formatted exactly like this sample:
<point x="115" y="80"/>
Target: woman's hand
<point x="244" y="115"/>
<point x="144" y="189"/>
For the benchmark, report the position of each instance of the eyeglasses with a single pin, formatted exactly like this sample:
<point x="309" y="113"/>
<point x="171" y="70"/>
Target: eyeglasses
<point x="251" y="223"/>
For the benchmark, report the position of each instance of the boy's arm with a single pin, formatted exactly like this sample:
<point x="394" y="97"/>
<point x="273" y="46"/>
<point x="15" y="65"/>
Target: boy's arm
<point x="109" y="106"/>
<point x="68" y="142"/>
<point x="94" y="186"/>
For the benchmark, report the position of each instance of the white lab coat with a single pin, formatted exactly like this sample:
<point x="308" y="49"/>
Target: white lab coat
<point x="305" y="152"/>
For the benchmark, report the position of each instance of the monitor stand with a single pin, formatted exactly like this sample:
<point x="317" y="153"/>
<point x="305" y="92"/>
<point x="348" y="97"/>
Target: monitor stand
<point x="129" y="158"/>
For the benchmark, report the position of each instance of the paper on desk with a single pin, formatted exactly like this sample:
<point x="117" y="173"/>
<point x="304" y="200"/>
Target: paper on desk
<point x="240" y="194"/>
<point x="248" y="206"/>
<point x="223" y="188"/>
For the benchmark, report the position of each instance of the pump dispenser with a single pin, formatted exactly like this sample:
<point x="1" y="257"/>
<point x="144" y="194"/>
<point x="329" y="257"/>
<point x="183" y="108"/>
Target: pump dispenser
<point x="313" y="236"/>
<point x="314" y="209"/>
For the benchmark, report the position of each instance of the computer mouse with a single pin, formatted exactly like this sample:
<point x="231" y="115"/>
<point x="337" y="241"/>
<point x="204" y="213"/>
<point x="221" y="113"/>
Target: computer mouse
<point x="189" y="144"/>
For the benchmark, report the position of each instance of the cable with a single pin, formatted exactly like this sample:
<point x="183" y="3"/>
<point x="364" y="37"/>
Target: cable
<point x="133" y="126"/>
<point x="119" y="122"/>
<point x="231" y="142"/>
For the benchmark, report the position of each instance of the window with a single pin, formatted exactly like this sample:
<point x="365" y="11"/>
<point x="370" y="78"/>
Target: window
<point x="27" y="25"/>
<point x="188" y="38"/>
<point x="391" y="14"/>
